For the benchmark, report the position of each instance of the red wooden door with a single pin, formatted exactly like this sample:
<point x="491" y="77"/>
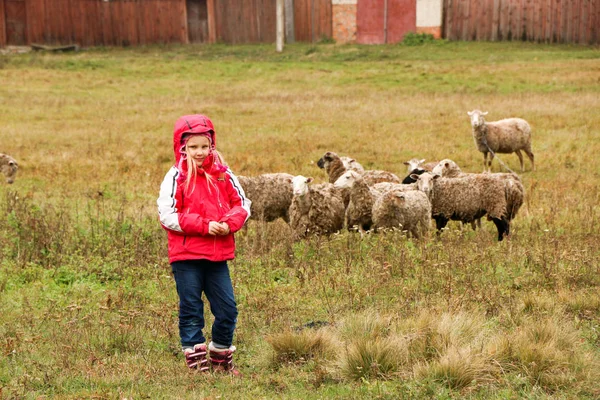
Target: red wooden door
<point x="385" y="21"/>
<point x="14" y="11"/>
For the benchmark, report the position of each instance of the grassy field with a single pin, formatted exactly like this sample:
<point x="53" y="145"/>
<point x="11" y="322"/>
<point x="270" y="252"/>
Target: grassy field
<point x="88" y="306"/>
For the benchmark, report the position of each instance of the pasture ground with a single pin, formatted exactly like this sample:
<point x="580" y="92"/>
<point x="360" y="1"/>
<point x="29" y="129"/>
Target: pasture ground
<point x="89" y="309"/>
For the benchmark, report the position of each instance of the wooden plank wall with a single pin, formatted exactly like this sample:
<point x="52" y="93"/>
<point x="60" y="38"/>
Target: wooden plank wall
<point x="252" y="21"/>
<point x="247" y="21"/>
<point x="2" y="25"/>
<point x="104" y="23"/>
<point x="544" y="21"/>
<point x="312" y="20"/>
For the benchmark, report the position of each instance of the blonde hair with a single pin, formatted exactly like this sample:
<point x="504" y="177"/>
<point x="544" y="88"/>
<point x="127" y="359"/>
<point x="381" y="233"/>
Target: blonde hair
<point x="192" y="170"/>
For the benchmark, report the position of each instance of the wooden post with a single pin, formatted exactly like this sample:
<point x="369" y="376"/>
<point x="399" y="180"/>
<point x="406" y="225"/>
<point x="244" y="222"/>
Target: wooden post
<point x="289" y="21"/>
<point x="212" y="21"/>
<point x="279" y="26"/>
<point x="385" y="21"/>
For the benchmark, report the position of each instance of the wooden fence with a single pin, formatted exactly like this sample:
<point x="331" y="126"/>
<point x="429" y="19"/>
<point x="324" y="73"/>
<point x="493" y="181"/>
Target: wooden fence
<point x="545" y="21"/>
<point x="97" y="22"/>
<point x="138" y="22"/>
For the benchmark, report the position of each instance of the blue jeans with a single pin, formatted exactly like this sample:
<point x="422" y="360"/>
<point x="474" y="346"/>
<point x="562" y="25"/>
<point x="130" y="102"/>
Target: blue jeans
<point x="192" y="277"/>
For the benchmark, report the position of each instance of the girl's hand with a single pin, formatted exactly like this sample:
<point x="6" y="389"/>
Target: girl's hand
<point x="218" y="228"/>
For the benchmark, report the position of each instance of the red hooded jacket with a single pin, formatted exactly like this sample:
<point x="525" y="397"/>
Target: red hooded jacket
<point x="185" y="214"/>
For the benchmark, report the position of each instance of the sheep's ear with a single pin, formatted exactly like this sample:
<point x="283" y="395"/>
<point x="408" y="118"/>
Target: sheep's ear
<point x="446" y="164"/>
<point x="421" y="161"/>
<point x="406" y="163"/>
<point x="309" y="180"/>
<point x="399" y="195"/>
<point x="484" y="113"/>
<point x="414" y="176"/>
<point x="11" y="163"/>
<point x="436" y="176"/>
<point x="470" y="113"/>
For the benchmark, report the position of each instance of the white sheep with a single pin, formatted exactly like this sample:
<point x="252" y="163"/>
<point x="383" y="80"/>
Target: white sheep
<point x="9" y="167"/>
<point x="335" y="166"/>
<point x="315" y="209"/>
<point x="409" y="211"/>
<point x="271" y="195"/>
<point x="516" y="192"/>
<point x="416" y="163"/>
<point x="362" y="196"/>
<point x="509" y="135"/>
<point x="466" y="199"/>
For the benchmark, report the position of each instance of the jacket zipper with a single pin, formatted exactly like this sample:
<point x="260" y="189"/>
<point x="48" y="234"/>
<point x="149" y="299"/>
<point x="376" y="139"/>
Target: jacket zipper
<point x="184" y="236"/>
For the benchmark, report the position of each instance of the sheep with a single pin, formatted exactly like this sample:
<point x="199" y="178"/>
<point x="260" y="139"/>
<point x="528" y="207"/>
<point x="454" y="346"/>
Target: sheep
<point x="362" y="196"/>
<point x="407" y="210"/>
<point x="271" y="195"/>
<point x="509" y="135"/>
<point x="516" y="192"/>
<point x="373" y="176"/>
<point x="352" y="164"/>
<point x="335" y="165"/>
<point x="335" y="168"/>
<point x="317" y="209"/>
<point x="467" y="199"/>
<point x="9" y="167"/>
<point x="415" y="163"/>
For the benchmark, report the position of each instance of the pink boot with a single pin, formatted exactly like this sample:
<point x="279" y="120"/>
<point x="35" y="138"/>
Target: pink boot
<point x="222" y="360"/>
<point x="196" y="358"/>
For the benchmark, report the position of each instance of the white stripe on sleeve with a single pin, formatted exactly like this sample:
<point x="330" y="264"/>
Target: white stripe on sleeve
<point x="167" y="205"/>
<point x="240" y="190"/>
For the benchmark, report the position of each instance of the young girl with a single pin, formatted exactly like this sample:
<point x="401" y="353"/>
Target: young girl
<point x="201" y="205"/>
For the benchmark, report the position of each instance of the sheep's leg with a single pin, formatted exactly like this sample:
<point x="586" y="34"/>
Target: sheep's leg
<point x="518" y="152"/>
<point x="440" y="223"/>
<point x="490" y="163"/>
<point x="485" y="154"/>
<point x="503" y="227"/>
<point x="530" y="155"/>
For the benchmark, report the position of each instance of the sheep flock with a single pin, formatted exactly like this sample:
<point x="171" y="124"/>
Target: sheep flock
<point x="358" y="199"/>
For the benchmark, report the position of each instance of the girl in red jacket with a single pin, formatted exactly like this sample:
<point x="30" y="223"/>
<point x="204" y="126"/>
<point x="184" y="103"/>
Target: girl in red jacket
<point x="201" y="204"/>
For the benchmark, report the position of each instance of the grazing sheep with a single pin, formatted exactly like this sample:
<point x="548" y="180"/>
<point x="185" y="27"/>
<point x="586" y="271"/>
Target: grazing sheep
<point x="317" y="209"/>
<point x="9" y="167"/>
<point x="271" y="195"/>
<point x="352" y="164"/>
<point x="467" y="199"/>
<point x="362" y="196"/>
<point x="373" y="176"/>
<point x="335" y="165"/>
<point x="509" y="135"/>
<point x="516" y="192"/>
<point x="409" y="178"/>
<point x="335" y="168"/>
<point x="416" y="163"/>
<point x="407" y="210"/>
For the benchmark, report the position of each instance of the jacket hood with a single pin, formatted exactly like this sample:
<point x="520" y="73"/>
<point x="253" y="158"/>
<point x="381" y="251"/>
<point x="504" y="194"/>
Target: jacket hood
<point x="191" y="124"/>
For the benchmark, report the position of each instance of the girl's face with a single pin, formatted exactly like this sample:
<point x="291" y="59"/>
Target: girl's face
<point x="197" y="148"/>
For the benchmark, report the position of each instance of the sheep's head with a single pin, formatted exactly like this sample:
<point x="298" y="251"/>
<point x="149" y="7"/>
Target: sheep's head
<point x="425" y="182"/>
<point x="446" y="167"/>
<point x="9" y="170"/>
<point x="347" y="179"/>
<point x="413" y="164"/>
<point x="326" y="159"/>
<point x="398" y="197"/>
<point x="477" y="118"/>
<point x="300" y="185"/>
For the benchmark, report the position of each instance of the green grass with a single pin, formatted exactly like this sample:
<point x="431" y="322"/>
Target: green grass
<point x="89" y="309"/>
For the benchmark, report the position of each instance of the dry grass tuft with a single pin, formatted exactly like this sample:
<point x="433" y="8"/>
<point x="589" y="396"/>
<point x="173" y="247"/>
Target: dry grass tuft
<point x="457" y="368"/>
<point x="299" y="347"/>
<point x="377" y="358"/>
